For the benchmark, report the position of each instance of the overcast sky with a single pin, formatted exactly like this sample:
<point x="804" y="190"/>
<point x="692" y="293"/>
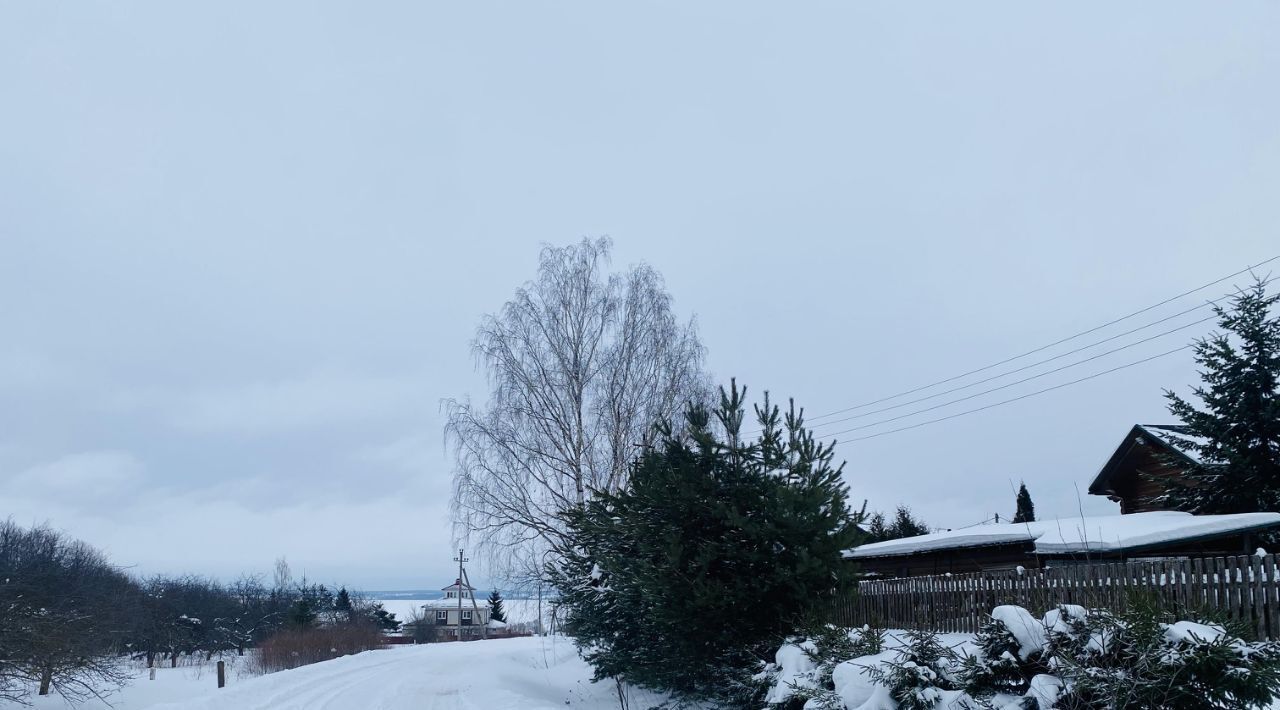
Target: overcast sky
<point x="243" y="246"/>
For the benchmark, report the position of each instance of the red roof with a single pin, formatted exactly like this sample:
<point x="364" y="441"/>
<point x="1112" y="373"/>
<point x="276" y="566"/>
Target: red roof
<point x="457" y="583"/>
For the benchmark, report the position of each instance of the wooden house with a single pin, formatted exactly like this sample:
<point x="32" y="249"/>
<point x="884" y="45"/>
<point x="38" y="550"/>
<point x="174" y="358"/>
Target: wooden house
<point x="457" y="609"/>
<point x="1132" y="475"/>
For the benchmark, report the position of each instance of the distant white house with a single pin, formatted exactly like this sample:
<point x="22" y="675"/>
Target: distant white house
<point x="474" y="612"/>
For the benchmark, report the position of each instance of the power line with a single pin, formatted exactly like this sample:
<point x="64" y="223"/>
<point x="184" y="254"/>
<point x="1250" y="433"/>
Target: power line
<point x="1046" y="347"/>
<point x="1008" y="401"/>
<point x="1008" y="385"/>
<point x="1046" y="361"/>
<point x="1014" y="383"/>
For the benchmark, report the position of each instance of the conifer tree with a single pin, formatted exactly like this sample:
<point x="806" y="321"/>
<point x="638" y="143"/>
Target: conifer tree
<point x="1234" y="436"/>
<point x="877" y="529"/>
<point x="718" y="548"/>
<point x="382" y="618"/>
<point x="301" y="614"/>
<point x="906" y="525"/>
<point x="1026" y="512"/>
<point x="496" y="612"/>
<point x="342" y="604"/>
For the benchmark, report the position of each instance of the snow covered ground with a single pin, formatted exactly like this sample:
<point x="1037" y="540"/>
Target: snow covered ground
<point x="507" y="674"/>
<point x="171" y="685"/>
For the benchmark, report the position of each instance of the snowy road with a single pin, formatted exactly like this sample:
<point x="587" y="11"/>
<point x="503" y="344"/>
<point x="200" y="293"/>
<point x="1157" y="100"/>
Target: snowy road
<point x="524" y="673"/>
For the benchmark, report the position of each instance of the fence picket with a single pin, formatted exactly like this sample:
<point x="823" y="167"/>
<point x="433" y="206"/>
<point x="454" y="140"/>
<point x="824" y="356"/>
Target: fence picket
<point x="1242" y="588"/>
<point x="1258" y="600"/>
<point x="1265" y="592"/>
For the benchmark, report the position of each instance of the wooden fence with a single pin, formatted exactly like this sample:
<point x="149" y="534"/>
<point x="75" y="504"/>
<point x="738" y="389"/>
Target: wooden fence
<point x="1242" y="588"/>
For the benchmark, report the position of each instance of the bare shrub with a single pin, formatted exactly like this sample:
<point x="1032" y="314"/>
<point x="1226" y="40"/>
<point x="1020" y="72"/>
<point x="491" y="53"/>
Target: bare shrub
<point x="293" y="648"/>
<point x="421" y="626"/>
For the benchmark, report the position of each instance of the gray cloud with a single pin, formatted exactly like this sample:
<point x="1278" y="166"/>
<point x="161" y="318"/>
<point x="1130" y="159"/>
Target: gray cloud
<point x="244" y="247"/>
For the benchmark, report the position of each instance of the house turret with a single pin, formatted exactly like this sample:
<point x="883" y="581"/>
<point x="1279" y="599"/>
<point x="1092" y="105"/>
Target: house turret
<point x="458" y="589"/>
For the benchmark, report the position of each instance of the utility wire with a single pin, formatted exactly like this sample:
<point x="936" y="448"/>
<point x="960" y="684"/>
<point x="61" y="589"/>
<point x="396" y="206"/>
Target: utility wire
<point x="1008" y="401"/>
<point x="1045" y="361"/>
<point x="1046" y="347"/>
<point x="1011" y="384"/>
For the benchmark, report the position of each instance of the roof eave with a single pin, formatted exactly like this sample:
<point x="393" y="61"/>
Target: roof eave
<point x="1029" y="543"/>
<point x="1155" y="545"/>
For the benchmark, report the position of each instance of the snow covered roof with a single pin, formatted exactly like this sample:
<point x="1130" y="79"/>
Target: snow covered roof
<point x="1099" y="533"/>
<point x="1168" y="434"/>
<point x="457" y="583"/>
<point x="452" y="603"/>
<point x="980" y="536"/>
<point x="1113" y="533"/>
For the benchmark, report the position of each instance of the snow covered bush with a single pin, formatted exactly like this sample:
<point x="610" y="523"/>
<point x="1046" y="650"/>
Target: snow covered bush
<point x="1071" y="659"/>
<point x="802" y="672"/>
<point x="1143" y="659"/>
<point x="1010" y="652"/>
<point x="923" y="674"/>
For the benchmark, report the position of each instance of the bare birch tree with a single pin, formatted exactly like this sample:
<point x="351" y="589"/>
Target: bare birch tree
<point x="581" y="364"/>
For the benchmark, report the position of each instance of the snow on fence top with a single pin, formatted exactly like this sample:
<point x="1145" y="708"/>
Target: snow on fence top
<point x="1098" y="533"/>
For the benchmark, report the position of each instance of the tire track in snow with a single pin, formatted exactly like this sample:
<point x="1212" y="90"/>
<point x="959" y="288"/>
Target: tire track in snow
<point x="508" y="674"/>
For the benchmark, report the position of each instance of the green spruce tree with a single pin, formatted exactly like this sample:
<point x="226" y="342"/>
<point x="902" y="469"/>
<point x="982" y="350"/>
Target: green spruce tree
<point x="905" y="524"/>
<point x="1026" y="512"/>
<point x="718" y="548"/>
<point x="301" y="614"/>
<point x="382" y="618"/>
<point x="877" y="530"/>
<point x="342" y="605"/>
<point x="1234" y="436"/>
<point x="496" y="611"/>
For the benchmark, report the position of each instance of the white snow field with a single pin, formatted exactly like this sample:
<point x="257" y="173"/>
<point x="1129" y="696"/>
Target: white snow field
<point x="531" y="673"/>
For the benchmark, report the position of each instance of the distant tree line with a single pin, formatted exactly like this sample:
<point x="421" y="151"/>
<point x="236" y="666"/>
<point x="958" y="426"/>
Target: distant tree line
<point x="67" y="615"/>
<point x="879" y="528"/>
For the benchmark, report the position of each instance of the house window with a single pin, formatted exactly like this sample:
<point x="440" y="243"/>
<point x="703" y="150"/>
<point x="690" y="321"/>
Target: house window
<point x="442" y="616"/>
<point x="448" y="595"/>
<point x="466" y="615"/>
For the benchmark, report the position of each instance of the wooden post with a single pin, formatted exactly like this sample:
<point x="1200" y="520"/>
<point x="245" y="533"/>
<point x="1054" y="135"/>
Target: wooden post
<point x="1259" y="597"/>
<point x="475" y="607"/>
<point x="222" y="674"/>
<point x="153" y="673"/>
<point x="460" y="559"/>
